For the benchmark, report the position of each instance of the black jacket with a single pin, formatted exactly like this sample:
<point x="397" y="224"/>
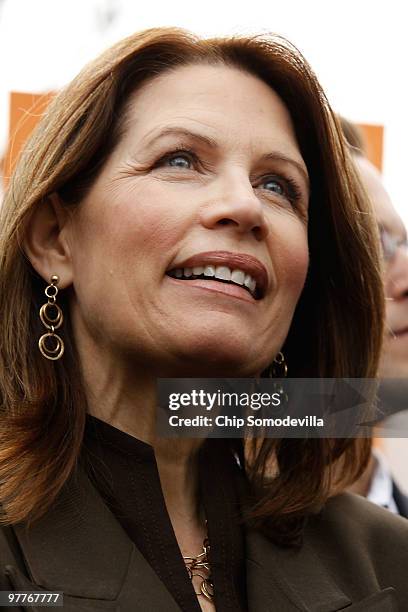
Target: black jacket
<point x="354" y="558"/>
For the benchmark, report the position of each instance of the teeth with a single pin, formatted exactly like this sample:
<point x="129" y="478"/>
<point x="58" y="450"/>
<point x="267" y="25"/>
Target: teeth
<point x="209" y="271"/>
<point x="223" y="273"/>
<point x="250" y="283"/>
<point x="238" y="277"/>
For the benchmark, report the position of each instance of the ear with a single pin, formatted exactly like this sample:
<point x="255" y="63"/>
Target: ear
<point x="46" y="241"/>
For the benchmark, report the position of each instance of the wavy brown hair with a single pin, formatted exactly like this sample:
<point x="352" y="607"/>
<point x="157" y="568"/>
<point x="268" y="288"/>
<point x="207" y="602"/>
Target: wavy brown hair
<point x="337" y="327"/>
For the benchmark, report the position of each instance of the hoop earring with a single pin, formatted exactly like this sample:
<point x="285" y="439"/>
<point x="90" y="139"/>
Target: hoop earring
<point x="50" y="344"/>
<point x="279" y="368"/>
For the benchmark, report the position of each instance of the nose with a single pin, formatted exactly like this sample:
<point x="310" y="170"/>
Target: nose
<point x="396" y="283"/>
<point x="234" y="204"/>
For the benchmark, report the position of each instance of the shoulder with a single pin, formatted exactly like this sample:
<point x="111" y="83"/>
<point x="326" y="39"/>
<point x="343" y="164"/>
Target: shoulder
<point x="354" y="513"/>
<point x="353" y="552"/>
<point x="351" y="530"/>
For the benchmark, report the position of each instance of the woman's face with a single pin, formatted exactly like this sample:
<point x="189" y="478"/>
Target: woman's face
<point x="190" y="251"/>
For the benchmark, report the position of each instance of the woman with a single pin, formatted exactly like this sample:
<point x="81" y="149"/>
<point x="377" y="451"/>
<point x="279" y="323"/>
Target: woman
<point x="188" y="208"/>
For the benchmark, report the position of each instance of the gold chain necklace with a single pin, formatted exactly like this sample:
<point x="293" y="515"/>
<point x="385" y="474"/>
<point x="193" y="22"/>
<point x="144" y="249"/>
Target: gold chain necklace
<point x="195" y="567"/>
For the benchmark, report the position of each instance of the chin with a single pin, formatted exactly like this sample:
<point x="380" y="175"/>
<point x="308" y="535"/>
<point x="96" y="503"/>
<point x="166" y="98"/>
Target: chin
<point x="218" y="357"/>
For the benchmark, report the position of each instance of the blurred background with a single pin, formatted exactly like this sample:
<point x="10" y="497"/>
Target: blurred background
<point x="358" y="50"/>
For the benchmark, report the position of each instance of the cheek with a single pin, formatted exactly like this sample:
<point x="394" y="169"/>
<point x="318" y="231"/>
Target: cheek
<point x="296" y="266"/>
<point x="151" y="218"/>
<point x="290" y="255"/>
<point x="131" y="227"/>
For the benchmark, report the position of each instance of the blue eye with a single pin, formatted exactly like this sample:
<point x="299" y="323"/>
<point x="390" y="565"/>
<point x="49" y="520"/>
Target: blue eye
<point x="183" y="159"/>
<point x="275" y="186"/>
<point x="284" y="187"/>
<point x="179" y="161"/>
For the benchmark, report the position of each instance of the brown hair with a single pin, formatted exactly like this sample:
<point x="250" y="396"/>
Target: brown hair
<point x="337" y="327"/>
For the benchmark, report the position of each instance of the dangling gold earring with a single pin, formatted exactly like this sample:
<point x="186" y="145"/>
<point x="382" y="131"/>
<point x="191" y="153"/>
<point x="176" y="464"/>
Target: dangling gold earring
<point x="47" y="310"/>
<point x="279" y="368"/>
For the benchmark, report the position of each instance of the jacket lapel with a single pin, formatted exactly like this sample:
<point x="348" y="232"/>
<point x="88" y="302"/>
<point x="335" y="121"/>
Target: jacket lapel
<point x="81" y="549"/>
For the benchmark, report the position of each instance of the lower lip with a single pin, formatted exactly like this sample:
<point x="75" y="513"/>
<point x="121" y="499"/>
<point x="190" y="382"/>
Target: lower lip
<point x="225" y="289"/>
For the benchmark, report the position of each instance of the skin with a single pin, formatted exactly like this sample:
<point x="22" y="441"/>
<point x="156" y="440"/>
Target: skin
<point x="131" y="322"/>
<point x="394" y="360"/>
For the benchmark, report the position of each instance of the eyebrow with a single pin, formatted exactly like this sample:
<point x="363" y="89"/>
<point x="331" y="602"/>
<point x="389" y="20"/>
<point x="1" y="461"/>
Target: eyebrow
<point x="211" y="143"/>
<point x="283" y="158"/>
<point x="178" y="131"/>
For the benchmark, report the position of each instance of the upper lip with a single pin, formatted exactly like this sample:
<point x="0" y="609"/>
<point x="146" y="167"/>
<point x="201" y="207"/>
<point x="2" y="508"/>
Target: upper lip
<point x="242" y="261"/>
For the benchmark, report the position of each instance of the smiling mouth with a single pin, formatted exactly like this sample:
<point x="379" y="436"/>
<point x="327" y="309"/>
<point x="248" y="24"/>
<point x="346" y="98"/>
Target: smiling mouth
<point x="219" y="274"/>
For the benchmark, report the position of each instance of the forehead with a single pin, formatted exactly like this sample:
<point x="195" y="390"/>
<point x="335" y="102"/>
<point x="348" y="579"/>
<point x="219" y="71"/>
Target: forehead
<point x="224" y="102"/>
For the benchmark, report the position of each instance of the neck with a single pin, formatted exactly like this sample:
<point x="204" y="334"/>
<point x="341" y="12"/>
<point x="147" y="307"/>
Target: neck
<point x="125" y="397"/>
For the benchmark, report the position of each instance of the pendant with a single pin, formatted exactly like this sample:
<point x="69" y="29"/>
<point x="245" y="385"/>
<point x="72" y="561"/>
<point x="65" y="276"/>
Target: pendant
<point x="207" y="589"/>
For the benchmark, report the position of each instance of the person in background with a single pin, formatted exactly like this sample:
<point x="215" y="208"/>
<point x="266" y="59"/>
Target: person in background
<point x="377" y="483"/>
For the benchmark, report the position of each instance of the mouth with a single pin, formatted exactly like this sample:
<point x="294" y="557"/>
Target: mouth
<point x="237" y="269"/>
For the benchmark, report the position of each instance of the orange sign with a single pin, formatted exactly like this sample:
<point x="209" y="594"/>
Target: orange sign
<point x="26" y="110"/>
<point x="374" y="141"/>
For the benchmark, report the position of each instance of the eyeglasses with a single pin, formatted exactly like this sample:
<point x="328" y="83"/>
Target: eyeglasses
<point x="390" y="244"/>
